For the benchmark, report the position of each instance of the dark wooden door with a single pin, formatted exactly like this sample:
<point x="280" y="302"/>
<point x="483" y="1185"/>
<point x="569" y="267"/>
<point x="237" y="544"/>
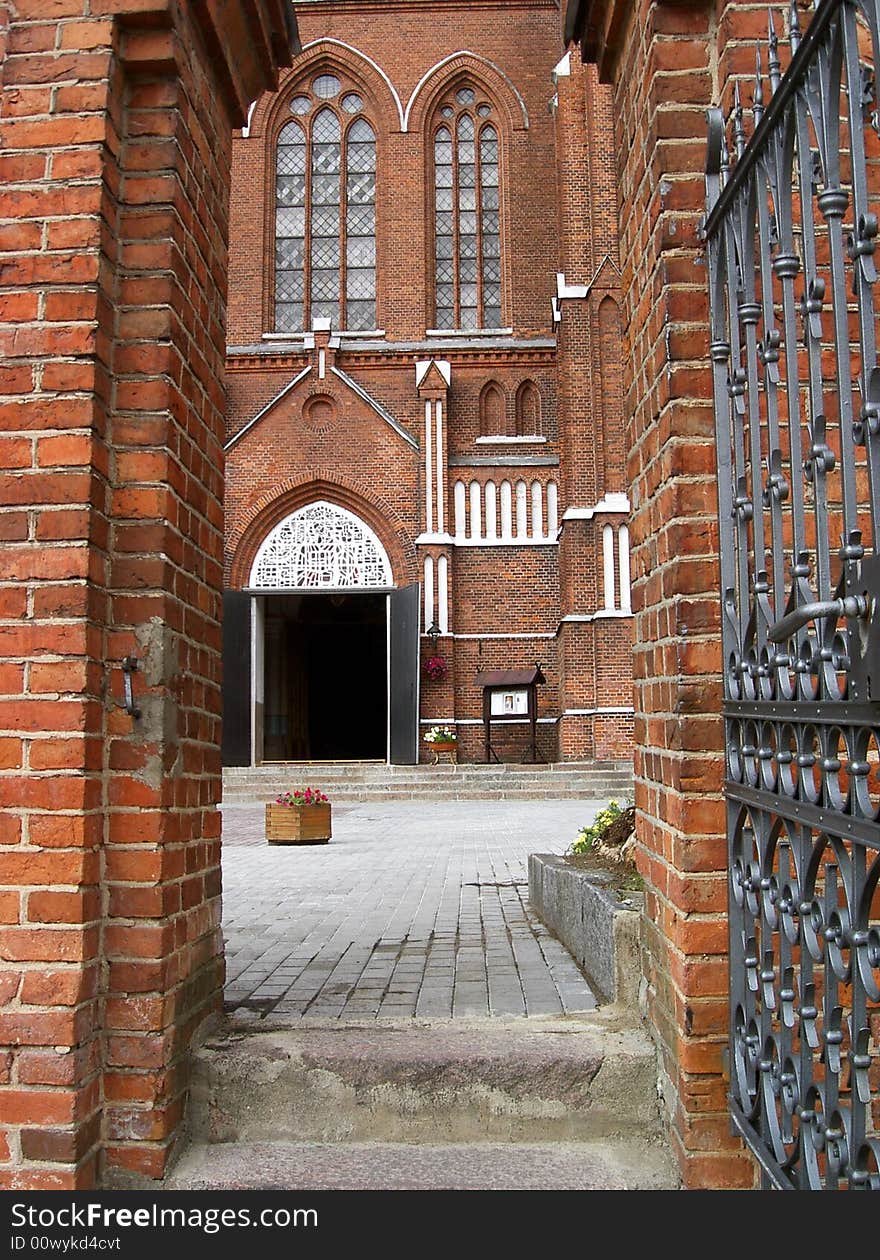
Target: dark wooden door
<point x="236" y="678"/>
<point x="403" y="685"/>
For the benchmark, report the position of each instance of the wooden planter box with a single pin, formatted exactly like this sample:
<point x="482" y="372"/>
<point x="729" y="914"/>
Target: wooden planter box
<point x="297" y="824"/>
<point x="445" y="748"/>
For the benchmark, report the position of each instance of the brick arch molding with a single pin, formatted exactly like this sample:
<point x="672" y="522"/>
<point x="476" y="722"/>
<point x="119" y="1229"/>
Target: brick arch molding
<point x="272" y="508"/>
<point x="331" y="54"/>
<point x="439" y="78"/>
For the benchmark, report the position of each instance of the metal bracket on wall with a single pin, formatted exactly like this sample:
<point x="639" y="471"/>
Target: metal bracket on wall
<point x="129" y="667"/>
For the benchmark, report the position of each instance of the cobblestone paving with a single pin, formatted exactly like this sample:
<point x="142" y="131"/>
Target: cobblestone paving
<point x="412" y="909"/>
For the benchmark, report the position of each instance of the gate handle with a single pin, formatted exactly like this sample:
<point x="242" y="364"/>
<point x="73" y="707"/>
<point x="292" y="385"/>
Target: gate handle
<point x="848" y="606"/>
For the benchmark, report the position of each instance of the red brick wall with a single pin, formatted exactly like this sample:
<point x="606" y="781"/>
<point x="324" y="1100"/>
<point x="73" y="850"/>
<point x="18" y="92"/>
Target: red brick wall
<point x="115" y="141"/>
<point x="661" y="62"/>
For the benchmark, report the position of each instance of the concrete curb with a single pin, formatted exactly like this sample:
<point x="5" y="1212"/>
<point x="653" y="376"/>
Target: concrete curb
<point x="599" y="929"/>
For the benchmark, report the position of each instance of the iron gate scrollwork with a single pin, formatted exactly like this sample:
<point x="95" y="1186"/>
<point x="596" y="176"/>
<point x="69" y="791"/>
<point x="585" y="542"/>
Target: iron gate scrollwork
<point x="791" y="231"/>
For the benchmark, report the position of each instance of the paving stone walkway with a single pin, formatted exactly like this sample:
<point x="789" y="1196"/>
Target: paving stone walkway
<point x="413" y="909"/>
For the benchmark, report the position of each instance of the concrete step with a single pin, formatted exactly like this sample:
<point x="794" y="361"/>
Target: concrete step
<point x="369" y="781"/>
<point x="543" y="1079"/>
<point x="400" y="1166"/>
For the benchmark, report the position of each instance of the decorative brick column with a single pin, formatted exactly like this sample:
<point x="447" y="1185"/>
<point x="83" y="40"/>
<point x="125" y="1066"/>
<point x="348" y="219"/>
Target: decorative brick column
<point x="115" y="140"/>
<point x="595" y="646"/>
<point x="660" y="59"/>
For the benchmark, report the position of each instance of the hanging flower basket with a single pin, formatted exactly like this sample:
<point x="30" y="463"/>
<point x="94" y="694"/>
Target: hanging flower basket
<point x="436" y="668"/>
<point x="300" y="817"/>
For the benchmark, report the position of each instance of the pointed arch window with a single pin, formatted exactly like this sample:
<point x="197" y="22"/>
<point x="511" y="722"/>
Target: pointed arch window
<point x="528" y="410"/>
<point x="493" y="411"/>
<point x="325" y="211"/>
<point x="467" y="223"/>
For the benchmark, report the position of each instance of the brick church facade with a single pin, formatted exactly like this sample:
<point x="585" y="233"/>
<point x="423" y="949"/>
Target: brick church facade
<point x="424" y="452"/>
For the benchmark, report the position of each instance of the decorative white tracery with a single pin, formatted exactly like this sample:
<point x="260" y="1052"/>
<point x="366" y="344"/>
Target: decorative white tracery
<point x="321" y="547"/>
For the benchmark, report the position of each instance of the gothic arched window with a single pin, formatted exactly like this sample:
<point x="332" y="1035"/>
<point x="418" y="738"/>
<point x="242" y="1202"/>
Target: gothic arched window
<point x="528" y="410"/>
<point x="467" y="227"/>
<point x="325" y="210"/>
<point x="493" y="411"/>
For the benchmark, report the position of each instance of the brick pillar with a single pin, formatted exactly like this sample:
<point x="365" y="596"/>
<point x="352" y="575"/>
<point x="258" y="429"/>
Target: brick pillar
<point x="595" y="632"/>
<point x="115" y="135"/>
<point x="660" y="60"/>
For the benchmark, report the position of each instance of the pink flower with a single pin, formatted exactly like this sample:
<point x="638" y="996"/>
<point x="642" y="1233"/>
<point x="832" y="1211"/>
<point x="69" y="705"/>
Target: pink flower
<point x="302" y="796"/>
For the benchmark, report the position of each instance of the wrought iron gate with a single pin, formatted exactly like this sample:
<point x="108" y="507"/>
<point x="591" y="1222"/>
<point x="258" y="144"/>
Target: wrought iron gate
<point x="791" y="230"/>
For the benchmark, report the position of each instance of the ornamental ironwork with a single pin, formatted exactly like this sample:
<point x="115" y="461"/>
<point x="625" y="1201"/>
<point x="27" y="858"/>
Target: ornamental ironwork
<point x="321" y="547"/>
<point x="791" y="230"/>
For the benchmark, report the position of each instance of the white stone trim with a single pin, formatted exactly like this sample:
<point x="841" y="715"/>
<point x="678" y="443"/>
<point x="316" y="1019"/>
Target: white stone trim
<point x="564" y="290"/>
<point x="623" y="560"/>
<point x="505" y="542"/>
<point x="468" y="333"/>
<point x="429" y="474"/>
<point x="542" y="721"/>
<point x="491" y="521"/>
<point x="443" y="594"/>
<point x="363" y="56"/>
<point x="478" y="505"/>
<point x="552" y="509"/>
<point x="429" y="591"/>
<point x="608" y="567"/>
<point x="612" y="503"/>
<point x="509" y="441"/>
<point x="438" y="424"/>
<point x="430" y="539"/>
<point x="246" y="129"/>
<point x="443" y="366"/>
<point x="518" y="635"/>
<point x="562" y="69"/>
<point x="612" y="708"/>
<point x="599" y="615"/>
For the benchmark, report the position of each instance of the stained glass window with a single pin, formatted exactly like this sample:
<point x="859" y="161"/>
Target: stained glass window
<point x="467" y="228"/>
<point x="321" y="546"/>
<point x="325" y="212"/>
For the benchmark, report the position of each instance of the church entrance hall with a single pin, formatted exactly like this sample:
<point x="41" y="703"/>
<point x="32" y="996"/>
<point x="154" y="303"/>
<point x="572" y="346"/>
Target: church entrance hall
<point x="326" y="677"/>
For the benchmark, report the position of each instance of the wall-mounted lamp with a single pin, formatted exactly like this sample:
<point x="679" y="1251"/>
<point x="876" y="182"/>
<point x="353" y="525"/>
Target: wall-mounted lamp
<point x="433" y="633"/>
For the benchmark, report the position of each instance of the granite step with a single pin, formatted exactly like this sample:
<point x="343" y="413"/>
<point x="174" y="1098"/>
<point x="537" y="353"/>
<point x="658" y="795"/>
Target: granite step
<point x="633" y="1165"/>
<point x="569" y="1078"/>
<point x="359" y="781"/>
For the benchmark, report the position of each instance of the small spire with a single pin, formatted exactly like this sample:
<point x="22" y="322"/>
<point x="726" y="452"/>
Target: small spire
<point x="758" y="99"/>
<point x="739" y="131"/>
<point x="794" y="27"/>
<point x="773" y="63"/>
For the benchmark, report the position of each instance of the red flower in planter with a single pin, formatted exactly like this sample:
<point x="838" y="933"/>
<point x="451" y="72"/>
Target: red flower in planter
<point x="436" y="668"/>
<point x="307" y="796"/>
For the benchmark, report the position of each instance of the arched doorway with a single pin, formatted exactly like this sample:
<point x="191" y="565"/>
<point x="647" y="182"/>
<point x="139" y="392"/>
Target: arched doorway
<point x="321" y="648"/>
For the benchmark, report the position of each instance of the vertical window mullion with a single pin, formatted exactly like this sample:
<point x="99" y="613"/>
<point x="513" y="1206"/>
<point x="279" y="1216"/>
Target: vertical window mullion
<point x="343" y="226"/>
<point x="456" y="232"/>
<point x="307" y="240"/>
<point x="478" y="201"/>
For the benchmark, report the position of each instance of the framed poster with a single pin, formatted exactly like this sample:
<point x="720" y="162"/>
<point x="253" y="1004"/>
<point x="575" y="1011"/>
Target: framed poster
<point x="510" y="703"/>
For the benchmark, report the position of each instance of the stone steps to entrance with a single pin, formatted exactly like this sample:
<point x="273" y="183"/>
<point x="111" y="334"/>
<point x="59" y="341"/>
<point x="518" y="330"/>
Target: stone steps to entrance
<point x="544" y="1103"/>
<point x="373" y="781"/>
<point x="402" y="1166"/>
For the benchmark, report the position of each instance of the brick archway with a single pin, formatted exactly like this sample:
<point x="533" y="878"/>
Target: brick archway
<point x="269" y="510"/>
